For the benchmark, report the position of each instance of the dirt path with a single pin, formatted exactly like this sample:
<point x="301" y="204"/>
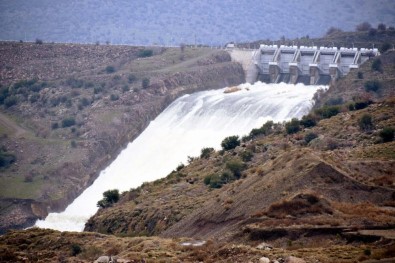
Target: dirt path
<point x="15" y="129"/>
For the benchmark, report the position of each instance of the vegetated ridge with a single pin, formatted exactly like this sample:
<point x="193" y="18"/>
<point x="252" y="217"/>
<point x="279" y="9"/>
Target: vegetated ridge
<point x="68" y="109"/>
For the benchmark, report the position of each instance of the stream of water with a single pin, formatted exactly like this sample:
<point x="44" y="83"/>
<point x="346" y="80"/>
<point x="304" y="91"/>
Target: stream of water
<point x="190" y="123"/>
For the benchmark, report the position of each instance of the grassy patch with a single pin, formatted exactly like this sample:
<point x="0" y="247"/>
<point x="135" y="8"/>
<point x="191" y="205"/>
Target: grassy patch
<point x="20" y="188"/>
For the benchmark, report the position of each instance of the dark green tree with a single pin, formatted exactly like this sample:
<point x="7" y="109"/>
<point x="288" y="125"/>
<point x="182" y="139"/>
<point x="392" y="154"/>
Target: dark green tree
<point x="230" y="142"/>
<point x="110" y="197"/>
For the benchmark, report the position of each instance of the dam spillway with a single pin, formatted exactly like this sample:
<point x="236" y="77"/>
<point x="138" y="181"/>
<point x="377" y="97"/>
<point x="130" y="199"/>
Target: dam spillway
<point x="190" y="123"/>
<point x="300" y="64"/>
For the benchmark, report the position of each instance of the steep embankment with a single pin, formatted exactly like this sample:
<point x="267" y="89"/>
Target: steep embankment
<point x="332" y="169"/>
<point x="79" y="105"/>
<point x="320" y="182"/>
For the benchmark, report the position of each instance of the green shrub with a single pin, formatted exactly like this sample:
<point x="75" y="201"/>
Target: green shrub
<point x="387" y="134"/>
<point x="362" y="104"/>
<point x="310" y="136"/>
<point x="55" y="101"/>
<point x="85" y="102"/>
<point x="97" y="89"/>
<point x="308" y="121"/>
<point x="180" y="166"/>
<point x="334" y="101"/>
<point x="360" y="75"/>
<point x="55" y="126"/>
<point x="217" y="181"/>
<point x="114" y="97"/>
<point x="372" y="85"/>
<point x="39" y="41"/>
<point x="292" y="126"/>
<point x="75" y="83"/>
<point x="365" y="122"/>
<point x="264" y="130"/>
<point x="75" y="250"/>
<point x="125" y="88"/>
<point x="384" y="47"/>
<point x="68" y="122"/>
<point x="6" y="159"/>
<point x="327" y="111"/>
<point x="145" y="53"/>
<point x="246" y="155"/>
<point x="236" y="167"/>
<point x="73" y="144"/>
<point x="110" y="197"/>
<point x="34" y="98"/>
<point x="376" y="65"/>
<point x="206" y="152"/>
<point x="110" y="69"/>
<point x="10" y="101"/>
<point x="132" y="78"/>
<point x="230" y="143"/>
<point x="145" y="83"/>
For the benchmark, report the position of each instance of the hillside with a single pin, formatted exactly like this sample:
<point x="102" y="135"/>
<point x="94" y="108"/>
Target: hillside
<point x="67" y="110"/>
<point x="321" y="186"/>
<point x="165" y="23"/>
<point x="327" y="200"/>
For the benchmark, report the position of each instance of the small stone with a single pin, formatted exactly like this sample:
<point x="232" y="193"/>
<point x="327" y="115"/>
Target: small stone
<point x="265" y="246"/>
<point x="264" y="260"/>
<point x="292" y="259"/>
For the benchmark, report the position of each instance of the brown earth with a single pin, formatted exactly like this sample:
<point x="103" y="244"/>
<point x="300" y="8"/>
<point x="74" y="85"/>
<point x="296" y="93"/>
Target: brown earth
<point x="109" y="106"/>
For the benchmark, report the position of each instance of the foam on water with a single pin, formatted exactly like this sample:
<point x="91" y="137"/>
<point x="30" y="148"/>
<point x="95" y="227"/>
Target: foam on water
<point x="190" y="123"/>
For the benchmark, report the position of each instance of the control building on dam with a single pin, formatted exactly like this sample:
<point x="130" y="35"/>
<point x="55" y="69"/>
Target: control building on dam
<point x="308" y="65"/>
<point x="292" y="64"/>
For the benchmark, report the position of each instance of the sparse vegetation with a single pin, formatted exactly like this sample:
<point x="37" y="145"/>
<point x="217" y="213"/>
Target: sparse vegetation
<point x="365" y="26"/>
<point x="75" y="249"/>
<point x="110" y="69"/>
<point x="377" y="65"/>
<point x="68" y="122"/>
<point x="132" y="78"/>
<point x="114" y="97"/>
<point x="6" y="159"/>
<point x="110" y="197"/>
<point x="292" y="126"/>
<point x="146" y="53"/>
<point x="230" y="143"/>
<point x="145" y="83"/>
<point x="387" y="134"/>
<point x="373" y="85"/>
<point x="385" y="47"/>
<point x="327" y="111"/>
<point x="365" y="122"/>
<point x="206" y="152"/>
<point x="310" y="136"/>
<point x="360" y="75"/>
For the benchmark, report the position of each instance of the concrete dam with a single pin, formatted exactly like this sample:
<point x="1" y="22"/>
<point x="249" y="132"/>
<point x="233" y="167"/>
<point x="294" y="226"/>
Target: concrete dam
<point x="293" y="64"/>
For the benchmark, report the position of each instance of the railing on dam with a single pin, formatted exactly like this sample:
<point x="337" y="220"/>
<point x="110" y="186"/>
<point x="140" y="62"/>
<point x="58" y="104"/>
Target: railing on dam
<point x="309" y="65"/>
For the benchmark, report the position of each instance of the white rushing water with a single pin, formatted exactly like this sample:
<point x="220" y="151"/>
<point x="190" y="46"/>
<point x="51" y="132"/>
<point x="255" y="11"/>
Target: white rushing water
<point x="190" y="123"/>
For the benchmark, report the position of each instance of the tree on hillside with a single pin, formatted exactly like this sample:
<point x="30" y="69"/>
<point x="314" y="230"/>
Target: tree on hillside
<point x="365" y="26"/>
<point x="230" y="142"/>
<point x="382" y="27"/>
<point x="110" y="197"/>
<point x="333" y="30"/>
<point x="365" y="122"/>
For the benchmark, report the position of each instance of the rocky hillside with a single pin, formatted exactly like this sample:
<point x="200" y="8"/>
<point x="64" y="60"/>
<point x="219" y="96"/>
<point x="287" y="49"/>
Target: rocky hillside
<point x="320" y="182"/>
<point x="67" y="110"/>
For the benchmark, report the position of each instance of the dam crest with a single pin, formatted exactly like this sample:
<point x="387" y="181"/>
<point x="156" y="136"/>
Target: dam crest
<point x="293" y="64"/>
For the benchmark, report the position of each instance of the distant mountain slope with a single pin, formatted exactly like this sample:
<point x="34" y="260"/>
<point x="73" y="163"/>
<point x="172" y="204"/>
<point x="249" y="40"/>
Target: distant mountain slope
<point x="172" y="22"/>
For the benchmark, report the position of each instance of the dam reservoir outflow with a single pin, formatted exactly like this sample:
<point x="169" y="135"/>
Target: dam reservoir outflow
<point x="189" y="124"/>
